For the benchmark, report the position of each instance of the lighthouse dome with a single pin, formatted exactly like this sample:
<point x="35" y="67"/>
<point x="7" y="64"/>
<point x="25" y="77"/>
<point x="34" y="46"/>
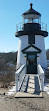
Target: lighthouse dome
<point x="31" y="11"/>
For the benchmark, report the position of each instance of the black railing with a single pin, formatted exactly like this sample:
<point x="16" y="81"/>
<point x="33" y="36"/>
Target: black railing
<point x="20" y="26"/>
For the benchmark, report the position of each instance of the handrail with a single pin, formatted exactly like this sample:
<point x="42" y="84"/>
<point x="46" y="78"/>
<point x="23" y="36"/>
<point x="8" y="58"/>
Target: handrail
<point x="20" y="69"/>
<point x="19" y="76"/>
<point x="19" y="26"/>
<point x="45" y="68"/>
<point x="41" y="77"/>
<point x="43" y="26"/>
<point x="40" y="69"/>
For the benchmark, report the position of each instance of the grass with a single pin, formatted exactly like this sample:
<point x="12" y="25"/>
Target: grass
<point x="7" y="76"/>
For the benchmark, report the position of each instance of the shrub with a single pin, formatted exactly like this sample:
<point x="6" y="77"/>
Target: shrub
<point x="47" y="74"/>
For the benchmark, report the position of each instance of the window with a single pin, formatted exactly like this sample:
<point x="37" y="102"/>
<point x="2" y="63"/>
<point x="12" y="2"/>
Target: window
<point x="31" y="39"/>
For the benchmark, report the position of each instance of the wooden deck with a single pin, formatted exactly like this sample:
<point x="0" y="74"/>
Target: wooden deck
<point x="30" y="87"/>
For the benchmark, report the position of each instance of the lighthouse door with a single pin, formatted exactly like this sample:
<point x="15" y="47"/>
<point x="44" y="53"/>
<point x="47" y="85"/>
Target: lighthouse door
<point x="31" y="64"/>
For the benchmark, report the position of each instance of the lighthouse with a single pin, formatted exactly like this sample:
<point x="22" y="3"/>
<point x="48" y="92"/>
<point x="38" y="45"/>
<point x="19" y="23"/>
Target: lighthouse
<point x="31" y="48"/>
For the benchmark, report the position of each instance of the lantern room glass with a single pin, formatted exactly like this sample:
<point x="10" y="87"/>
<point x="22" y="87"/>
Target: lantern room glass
<point x="32" y="19"/>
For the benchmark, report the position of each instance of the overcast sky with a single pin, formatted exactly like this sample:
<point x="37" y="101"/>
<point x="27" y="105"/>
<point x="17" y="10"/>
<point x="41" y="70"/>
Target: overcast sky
<point x="10" y="15"/>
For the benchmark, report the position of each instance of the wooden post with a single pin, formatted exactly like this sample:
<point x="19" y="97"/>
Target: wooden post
<point x="42" y="82"/>
<point x="16" y="81"/>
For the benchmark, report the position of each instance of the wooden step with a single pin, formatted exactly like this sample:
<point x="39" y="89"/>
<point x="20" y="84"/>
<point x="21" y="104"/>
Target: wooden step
<point x="28" y="95"/>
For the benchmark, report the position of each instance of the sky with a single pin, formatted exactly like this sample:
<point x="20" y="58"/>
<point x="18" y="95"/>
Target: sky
<point x="11" y="14"/>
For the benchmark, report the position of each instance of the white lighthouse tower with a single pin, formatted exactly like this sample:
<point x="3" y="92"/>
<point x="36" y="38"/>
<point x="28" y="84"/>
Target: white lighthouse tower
<point x="31" y="48"/>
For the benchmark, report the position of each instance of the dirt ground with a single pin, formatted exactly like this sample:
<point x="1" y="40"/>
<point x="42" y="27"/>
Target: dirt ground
<point x="23" y="104"/>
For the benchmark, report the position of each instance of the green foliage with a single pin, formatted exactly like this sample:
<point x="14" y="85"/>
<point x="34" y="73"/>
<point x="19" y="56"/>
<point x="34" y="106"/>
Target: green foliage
<point x="6" y="57"/>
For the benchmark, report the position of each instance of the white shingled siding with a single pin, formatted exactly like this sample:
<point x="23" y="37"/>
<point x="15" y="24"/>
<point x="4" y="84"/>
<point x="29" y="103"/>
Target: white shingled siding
<point x="39" y="42"/>
<point x="23" y="43"/>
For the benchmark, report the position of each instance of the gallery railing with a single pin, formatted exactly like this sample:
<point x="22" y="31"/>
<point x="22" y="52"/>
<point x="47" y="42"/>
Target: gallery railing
<point x="19" y="27"/>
